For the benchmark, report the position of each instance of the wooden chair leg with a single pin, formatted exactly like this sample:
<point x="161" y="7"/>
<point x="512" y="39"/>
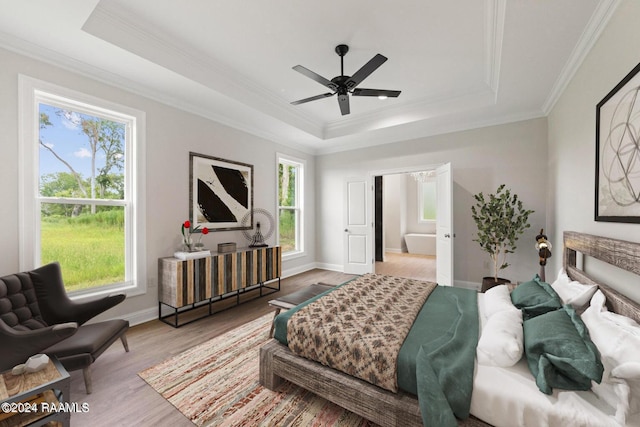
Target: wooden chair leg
<point x="88" y="385"/>
<point x="125" y="344"/>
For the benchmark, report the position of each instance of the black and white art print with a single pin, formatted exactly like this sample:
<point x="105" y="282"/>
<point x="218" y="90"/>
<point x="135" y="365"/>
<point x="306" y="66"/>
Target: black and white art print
<point x="221" y="193"/>
<point x="618" y="152"/>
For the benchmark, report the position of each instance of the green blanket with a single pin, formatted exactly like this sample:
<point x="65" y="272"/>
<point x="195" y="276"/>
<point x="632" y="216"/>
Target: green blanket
<point x="436" y="361"/>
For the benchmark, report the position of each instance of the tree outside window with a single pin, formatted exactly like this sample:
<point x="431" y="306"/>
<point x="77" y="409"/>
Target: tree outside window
<point x="82" y="174"/>
<point x="290" y="176"/>
<point x="82" y="196"/>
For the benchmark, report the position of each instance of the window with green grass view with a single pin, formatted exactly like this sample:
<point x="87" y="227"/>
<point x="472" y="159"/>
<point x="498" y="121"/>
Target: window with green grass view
<point x="290" y="176"/>
<point x="427" y="201"/>
<point x="84" y="198"/>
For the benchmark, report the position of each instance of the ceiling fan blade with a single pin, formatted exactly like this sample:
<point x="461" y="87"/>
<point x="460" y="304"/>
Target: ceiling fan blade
<point x="315" y="76"/>
<point x="343" y="101"/>
<point x="366" y="69"/>
<point x="376" y="92"/>
<point x="312" y="98"/>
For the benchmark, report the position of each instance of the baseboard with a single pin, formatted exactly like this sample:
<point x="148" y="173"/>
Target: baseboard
<point x="136" y="318"/>
<point x="297" y="270"/>
<point x="393" y="250"/>
<point x="467" y="285"/>
<point x="331" y="267"/>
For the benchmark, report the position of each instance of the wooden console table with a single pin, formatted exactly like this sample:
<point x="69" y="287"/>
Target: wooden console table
<point x="185" y="285"/>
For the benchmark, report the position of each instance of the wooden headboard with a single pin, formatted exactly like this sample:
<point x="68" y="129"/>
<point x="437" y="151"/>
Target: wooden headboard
<point x="622" y="254"/>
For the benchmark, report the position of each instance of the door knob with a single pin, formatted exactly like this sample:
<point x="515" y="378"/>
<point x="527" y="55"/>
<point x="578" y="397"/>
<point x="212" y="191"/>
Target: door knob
<point x="346" y="230"/>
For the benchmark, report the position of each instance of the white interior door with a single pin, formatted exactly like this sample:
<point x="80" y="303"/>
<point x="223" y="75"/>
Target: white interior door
<point x="444" y="225"/>
<point x="358" y="228"/>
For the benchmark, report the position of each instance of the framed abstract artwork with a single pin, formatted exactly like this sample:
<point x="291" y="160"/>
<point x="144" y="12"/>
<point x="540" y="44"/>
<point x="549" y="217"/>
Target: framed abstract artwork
<point x="220" y="193"/>
<point x="618" y="152"/>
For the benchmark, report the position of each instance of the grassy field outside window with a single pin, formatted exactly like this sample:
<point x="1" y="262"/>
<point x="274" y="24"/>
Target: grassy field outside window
<point x="90" y="248"/>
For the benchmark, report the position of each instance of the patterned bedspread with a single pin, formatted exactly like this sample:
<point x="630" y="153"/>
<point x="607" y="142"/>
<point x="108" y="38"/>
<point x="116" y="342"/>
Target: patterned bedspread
<point x="360" y="327"/>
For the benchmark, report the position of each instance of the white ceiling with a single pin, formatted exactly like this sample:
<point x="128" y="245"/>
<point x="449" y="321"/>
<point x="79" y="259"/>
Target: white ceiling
<point x="459" y="63"/>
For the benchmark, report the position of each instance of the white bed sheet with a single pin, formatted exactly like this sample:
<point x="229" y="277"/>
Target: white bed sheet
<point x="509" y="397"/>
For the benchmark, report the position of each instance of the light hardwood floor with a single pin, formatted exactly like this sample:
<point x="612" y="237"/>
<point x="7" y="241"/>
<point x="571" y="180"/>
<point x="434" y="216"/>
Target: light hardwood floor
<point x="413" y="266"/>
<point x="121" y="398"/>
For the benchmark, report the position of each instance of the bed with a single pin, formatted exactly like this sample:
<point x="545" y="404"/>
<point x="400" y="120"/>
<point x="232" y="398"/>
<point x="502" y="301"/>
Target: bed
<point x="505" y="405"/>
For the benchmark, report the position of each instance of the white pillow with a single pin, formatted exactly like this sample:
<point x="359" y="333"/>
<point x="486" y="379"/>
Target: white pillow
<point x="497" y="299"/>
<point x="501" y="341"/>
<point x="618" y="340"/>
<point x="616" y="336"/>
<point x="571" y="292"/>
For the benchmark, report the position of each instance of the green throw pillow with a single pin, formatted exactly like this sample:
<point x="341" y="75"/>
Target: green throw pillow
<point x="560" y="353"/>
<point x="535" y="298"/>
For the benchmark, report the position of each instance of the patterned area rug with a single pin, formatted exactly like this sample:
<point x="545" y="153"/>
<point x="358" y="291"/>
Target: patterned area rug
<point x="216" y="384"/>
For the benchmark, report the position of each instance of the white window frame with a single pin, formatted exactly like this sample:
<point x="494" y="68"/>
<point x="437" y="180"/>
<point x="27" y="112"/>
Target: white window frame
<point x="301" y="165"/>
<point x="421" y="220"/>
<point x="32" y="92"/>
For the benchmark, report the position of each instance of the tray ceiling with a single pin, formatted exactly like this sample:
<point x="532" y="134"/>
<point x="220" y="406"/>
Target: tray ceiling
<point x="459" y="64"/>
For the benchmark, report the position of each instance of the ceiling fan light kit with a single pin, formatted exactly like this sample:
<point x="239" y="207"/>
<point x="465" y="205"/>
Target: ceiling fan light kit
<point x="343" y="85"/>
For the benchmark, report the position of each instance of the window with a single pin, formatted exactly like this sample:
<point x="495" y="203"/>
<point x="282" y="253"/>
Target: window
<point x="290" y="202"/>
<point x="427" y="200"/>
<point x="81" y="200"/>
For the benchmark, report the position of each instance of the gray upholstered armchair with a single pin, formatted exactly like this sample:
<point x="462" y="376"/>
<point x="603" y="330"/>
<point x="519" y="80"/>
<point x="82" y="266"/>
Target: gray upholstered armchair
<point x="37" y="316"/>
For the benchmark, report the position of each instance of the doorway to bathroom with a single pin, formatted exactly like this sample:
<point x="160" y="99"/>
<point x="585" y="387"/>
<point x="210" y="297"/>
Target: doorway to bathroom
<point x="406" y="224"/>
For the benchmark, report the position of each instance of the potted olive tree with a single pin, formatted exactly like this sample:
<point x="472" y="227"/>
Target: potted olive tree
<point x="500" y="219"/>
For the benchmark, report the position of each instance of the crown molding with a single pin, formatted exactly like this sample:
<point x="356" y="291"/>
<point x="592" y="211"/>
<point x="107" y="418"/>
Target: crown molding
<point x="495" y="15"/>
<point x="588" y="39"/>
<point x="438" y="127"/>
<point x="110" y="23"/>
<point x="414" y="112"/>
<point x="72" y="65"/>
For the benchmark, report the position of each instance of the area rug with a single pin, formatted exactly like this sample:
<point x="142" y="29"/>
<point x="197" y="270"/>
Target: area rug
<point x="216" y="384"/>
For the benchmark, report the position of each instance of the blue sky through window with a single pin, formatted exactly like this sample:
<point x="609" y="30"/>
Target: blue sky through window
<point x="65" y="137"/>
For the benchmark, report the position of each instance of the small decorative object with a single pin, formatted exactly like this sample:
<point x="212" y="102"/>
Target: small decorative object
<point x="187" y="237"/>
<point x="18" y="369"/>
<point x="192" y="255"/>
<point x="544" y="251"/>
<point x="500" y="219"/>
<point x="220" y="192"/>
<point x="226" y="247"/>
<point x="617" y="152"/>
<point x="263" y="218"/>
<point x="36" y="363"/>
<point x="199" y="245"/>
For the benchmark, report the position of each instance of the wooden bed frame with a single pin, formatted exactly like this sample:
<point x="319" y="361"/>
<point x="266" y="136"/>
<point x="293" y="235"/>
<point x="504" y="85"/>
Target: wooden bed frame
<point x="387" y="409"/>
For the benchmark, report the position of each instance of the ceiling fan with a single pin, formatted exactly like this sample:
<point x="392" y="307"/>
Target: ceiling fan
<point x="345" y="85"/>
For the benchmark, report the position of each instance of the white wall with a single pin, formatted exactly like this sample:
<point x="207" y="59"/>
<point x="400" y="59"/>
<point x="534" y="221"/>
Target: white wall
<point x="482" y="159"/>
<point x="170" y="135"/>
<point x="572" y="134"/>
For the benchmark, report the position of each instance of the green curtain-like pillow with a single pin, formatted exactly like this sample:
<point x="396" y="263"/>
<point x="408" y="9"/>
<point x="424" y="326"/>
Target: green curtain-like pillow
<point x="560" y="353"/>
<point x="535" y="298"/>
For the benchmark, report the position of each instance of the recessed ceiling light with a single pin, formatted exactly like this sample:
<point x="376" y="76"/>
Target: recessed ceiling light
<point x="382" y="97"/>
